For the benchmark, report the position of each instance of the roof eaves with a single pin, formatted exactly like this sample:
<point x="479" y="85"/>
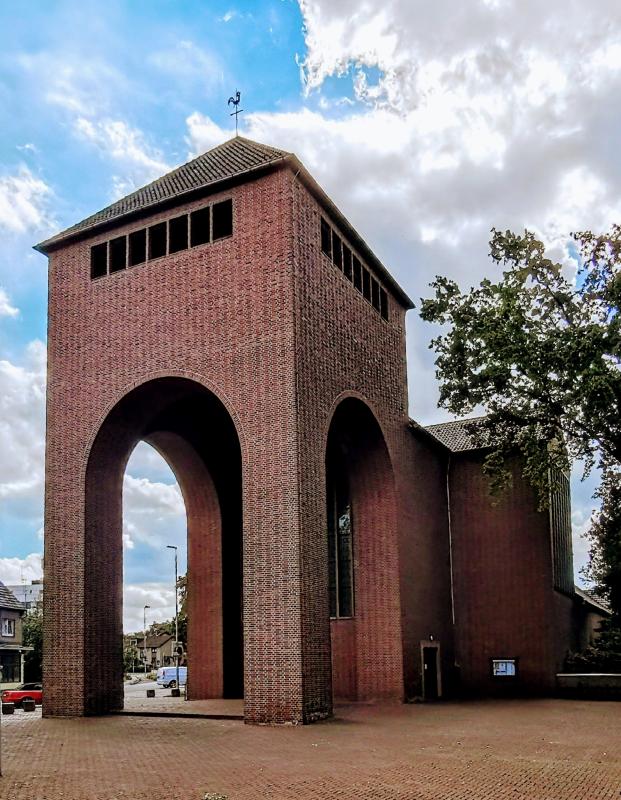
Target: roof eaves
<point x="69" y="235"/>
<point x="457" y="424"/>
<point x="343" y="223"/>
<point x="586" y="598"/>
<point x="415" y="427"/>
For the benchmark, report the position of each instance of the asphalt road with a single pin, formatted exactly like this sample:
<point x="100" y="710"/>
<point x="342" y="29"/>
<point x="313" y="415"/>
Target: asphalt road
<point x="140" y="689"/>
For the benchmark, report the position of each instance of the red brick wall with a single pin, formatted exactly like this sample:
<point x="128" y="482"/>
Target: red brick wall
<point x="425" y="562"/>
<point x="505" y="604"/>
<point x="205" y="623"/>
<point x="221" y="315"/>
<point x="346" y="349"/>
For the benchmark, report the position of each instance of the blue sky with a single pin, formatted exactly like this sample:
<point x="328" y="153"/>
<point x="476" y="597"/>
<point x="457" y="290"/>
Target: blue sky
<point x="427" y="123"/>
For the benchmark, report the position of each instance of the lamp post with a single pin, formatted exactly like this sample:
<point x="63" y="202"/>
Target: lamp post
<point x="174" y="547"/>
<point x="144" y="642"/>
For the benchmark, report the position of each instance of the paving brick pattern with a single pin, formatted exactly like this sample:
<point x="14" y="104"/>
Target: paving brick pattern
<point x="519" y="750"/>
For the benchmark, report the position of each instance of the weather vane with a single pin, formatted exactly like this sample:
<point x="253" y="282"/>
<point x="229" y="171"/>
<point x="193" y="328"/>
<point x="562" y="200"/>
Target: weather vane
<point x="235" y="102"/>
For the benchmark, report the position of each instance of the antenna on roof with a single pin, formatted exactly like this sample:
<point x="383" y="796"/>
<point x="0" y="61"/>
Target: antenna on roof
<point x="235" y="102"/>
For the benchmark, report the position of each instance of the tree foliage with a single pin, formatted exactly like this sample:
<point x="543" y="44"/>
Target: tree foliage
<point x="540" y="352"/>
<point x="168" y="626"/>
<point x="32" y="636"/>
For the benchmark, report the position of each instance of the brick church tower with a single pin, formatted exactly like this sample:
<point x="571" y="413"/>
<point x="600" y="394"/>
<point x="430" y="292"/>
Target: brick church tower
<point x="229" y="315"/>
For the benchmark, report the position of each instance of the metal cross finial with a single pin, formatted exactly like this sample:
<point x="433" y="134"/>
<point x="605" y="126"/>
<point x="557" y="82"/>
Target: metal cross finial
<point x="235" y="102"/>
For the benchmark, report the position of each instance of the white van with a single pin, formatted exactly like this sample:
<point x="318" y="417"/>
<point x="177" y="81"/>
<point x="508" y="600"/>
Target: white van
<point x="167" y="677"/>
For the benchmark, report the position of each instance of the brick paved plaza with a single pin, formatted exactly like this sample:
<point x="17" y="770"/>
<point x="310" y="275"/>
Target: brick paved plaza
<point x="522" y="750"/>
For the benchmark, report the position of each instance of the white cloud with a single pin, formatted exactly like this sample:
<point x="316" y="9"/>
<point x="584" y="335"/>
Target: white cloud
<point x="22" y="425"/>
<point x="159" y="596"/>
<point x="24" y="202"/>
<point x="127" y="147"/>
<point x="6" y="309"/>
<point x="17" y="570"/>
<point x="186" y="61"/>
<point x="151" y="512"/>
<point x="203" y="133"/>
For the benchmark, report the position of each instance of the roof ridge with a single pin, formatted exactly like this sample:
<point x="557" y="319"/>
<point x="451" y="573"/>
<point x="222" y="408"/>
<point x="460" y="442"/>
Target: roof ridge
<point x="208" y="168"/>
<point x="460" y="421"/>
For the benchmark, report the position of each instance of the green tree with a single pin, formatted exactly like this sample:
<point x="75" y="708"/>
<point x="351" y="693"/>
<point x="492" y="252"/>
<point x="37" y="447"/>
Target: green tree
<point x="33" y="637"/>
<point x="541" y="354"/>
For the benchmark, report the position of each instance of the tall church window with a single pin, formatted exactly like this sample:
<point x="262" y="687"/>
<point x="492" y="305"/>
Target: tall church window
<point x="340" y="547"/>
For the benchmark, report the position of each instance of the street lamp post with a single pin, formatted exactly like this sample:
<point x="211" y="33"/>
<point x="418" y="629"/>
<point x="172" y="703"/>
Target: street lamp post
<point x="144" y="641"/>
<point x="174" y="547"/>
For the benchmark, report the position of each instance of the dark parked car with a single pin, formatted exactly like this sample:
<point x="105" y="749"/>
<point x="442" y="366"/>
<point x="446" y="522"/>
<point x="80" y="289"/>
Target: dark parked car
<point x="27" y="691"/>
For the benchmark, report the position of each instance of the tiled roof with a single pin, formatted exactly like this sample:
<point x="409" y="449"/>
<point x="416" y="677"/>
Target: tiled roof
<point x="8" y="599"/>
<point x="453" y="435"/>
<point x="156" y="641"/>
<point x="592" y="600"/>
<point x="230" y="160"/>
<point x="235" y="157"/>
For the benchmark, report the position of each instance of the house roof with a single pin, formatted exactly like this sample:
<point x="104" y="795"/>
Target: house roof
<point x="237" y="159"/>
<point x="454" y="435"/>
<point x="8" y="599"/>
<point x="156" y="641"/>
<point x="594" y="602"/>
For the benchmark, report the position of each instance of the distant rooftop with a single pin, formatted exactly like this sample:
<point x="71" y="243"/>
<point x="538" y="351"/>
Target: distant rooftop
<point x="453" y="435"/>
<point x="8" y="599"/>
<point x="592" y="600"/>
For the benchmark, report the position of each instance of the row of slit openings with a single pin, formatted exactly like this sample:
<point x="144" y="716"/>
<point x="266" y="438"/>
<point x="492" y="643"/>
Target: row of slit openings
<point x="350" y="265"/>
<point x="202" y="226"/>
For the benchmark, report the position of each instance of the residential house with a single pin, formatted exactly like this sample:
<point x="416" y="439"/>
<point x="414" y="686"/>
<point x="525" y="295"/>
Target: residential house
<point x="11" y="648"/>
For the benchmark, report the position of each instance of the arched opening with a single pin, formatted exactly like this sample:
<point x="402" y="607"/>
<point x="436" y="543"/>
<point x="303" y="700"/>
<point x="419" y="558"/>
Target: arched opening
<point x="154" y="519"/>
<point x="362" y="558"/>
<point x="191" y="428"/>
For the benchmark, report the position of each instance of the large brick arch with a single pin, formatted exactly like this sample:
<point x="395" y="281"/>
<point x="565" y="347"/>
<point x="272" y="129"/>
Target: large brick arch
<point x="192" y="429"/>
<point x="366" y="648"/>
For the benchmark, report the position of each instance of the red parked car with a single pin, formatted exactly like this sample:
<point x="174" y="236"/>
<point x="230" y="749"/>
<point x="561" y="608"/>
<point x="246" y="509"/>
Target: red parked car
<point x="27" y="691"/>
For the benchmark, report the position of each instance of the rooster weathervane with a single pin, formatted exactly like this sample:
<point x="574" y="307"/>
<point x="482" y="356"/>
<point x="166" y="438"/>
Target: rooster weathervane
<point x="234" y="101"/>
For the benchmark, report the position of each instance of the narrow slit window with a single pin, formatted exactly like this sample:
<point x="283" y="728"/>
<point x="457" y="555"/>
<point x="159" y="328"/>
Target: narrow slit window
<point x="199" y="226"/>
<point x="326" y="238"/>
<point x="118" y="254"/>
<point x="337" y="252"/>
<point x="99" y="260"/>
<point x="222" y="219"/>
<point x="157" y="240"/>
<point x="137" y="247"/>
<point x="340" y="548"/>
<point x="357" y="270"/>
<point x="375" y="294"/>
<point x="347" y="268"/>
<point x="366" y="283"/>
<point x="383" y="303"/>
<point x="178" y="234"/>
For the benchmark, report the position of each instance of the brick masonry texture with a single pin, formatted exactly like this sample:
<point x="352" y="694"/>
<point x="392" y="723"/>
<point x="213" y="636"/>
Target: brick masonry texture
<point x="493" y="750"/>
<point x="504" y="601"/>
<point x="244" y="362"/>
